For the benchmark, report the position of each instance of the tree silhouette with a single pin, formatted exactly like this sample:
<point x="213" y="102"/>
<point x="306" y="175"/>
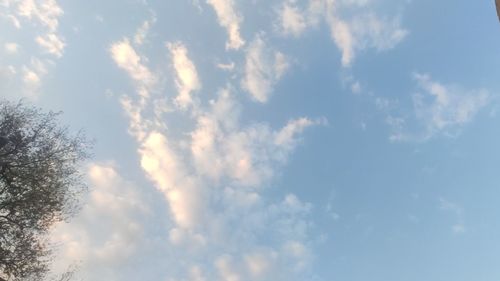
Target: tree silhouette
<point x="39" y="184"/>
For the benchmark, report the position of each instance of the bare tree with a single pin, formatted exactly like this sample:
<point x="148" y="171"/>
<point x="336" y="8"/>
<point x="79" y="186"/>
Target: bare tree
<point x="497" y="3"/>
<point x="39" y="184"/>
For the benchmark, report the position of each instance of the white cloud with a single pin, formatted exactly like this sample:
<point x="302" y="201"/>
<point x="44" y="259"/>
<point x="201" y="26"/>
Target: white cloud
<point x="52" y="44"/>
<point x="43" y="17"/>
<point x="291" y="20"/>
<point x="375" y="32"/>
<point x="226" y="66"/>
<point x="187" y="80"/>
<point x="165" y="169"/>
<point x="212" y="219"/>
<point x="263" y="69"/>
<point x="438" y="109"/>
<point x="11" y="48"/>
<point x="344" y="39"/>
<point x="108" y="231"/>
<point x="46" y="12"/>
<point x="362" y="29"/>
<point x="31" y="77"/>
<point x="449" y="105"/>
<point x="127" y="58"/>
<point x="247" y="156"/>
<point x="202" y="171"/>
<point x="230" y="20"/>
<point x="142" y="31"/>
<point x="33" y="73"/>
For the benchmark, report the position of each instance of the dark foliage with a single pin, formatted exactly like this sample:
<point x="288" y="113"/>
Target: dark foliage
<point x="39" y="184"/>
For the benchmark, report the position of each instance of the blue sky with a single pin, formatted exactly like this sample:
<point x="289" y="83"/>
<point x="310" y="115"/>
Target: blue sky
<point x="271" y="140"/>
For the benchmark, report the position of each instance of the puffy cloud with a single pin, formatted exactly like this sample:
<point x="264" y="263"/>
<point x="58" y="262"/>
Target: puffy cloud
<point x="263" y="69"/>
<point x="187" y="80"/>
<point x="438" y="109"/>
<point x="52" y="44"/>
<point x="230" y="20"/>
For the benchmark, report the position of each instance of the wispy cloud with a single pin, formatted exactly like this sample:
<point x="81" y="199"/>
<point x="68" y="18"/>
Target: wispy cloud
<point x="230" y="19"/>
<point x="438" y="109"/>
<point x="142" y="32"/>
<point x="362" y="29"/>
<point x="125" y="56"/>
<point x="264" y="67"/>
<point x="448" y="206"/>
<point x="47" y="12"/>
<point x="52" y="44"/>
<point x="11" y="48"/>
<point x="42" y="17"/>
<point x="109" y="229"/>
<point x="33" y="73"/>
<point x="187" y="80"/>
<point x="212" y="173"/>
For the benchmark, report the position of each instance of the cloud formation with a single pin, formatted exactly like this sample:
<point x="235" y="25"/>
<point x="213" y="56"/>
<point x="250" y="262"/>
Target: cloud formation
<point x="33" y="73"/>
<point x="109" y="230"/>
<point x="229" y="19"/>
<point x="438" y="109"/>
<point x="212" y="174"/>
<point x="11" y="48"/>
<point x="291" y="20"/>
<point x="187" y="80"/>
<point x="47" y="13"/>
<point x="42" y="17"/>
<point x="351" y="32"/>
<point x="264" y="67"/>
<point x="125" y="56"/>
<point x="52" y="44"/>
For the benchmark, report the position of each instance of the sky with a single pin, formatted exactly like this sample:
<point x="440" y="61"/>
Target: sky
<point x="335" y="140"/>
